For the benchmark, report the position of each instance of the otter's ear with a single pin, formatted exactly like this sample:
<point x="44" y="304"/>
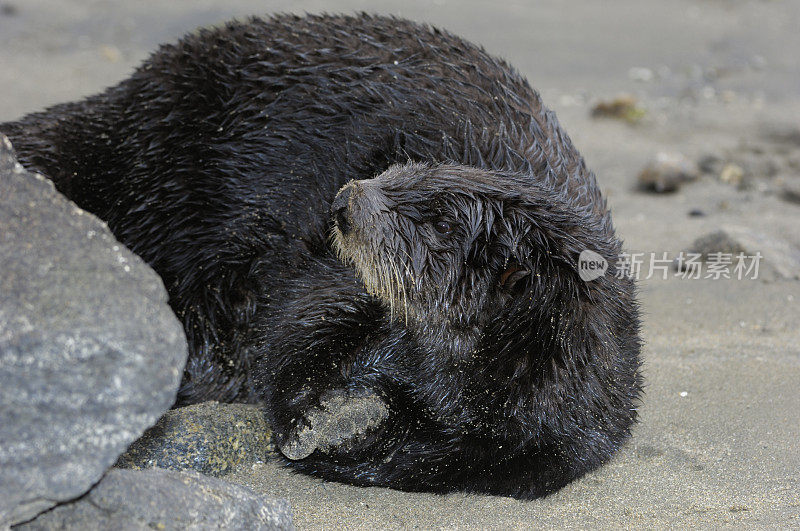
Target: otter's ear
<point x="512" y="275"/>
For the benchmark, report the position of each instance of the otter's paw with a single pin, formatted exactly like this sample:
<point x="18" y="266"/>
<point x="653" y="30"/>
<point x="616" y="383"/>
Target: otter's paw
<point x="341" y="418"/>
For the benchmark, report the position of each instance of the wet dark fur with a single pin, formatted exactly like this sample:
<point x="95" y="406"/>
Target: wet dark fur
<point x="217" y="162"/>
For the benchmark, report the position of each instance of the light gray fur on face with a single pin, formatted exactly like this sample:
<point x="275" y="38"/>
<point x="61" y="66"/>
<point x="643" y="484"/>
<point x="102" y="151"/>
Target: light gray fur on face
<point x="364" y="245"/>
<point x="424" y="278"/>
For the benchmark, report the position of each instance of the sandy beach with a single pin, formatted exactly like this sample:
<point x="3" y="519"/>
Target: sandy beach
<point x="717" y="444"/>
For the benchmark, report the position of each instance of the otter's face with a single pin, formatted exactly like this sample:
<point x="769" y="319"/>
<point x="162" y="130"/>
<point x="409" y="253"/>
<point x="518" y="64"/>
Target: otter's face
<point x="444" y="247"/>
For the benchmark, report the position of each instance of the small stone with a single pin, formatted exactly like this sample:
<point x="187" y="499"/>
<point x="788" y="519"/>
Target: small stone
<point x="758" y="161"/>
<point x="793" y="162"/>
<point x="786" y="133"/>
<point x="624" y="107"/>
<point x="696" y="213"/>
<point x="8" y="9"/>
<point x="210" y="438"/>
<point x="731" y="174"/>
<point x="710" y="163"/>
<point x="666" y="173"/>
<point x="791" y="191"/>
<point x="717" y="242"/>
<point x="111" y="53"/>
<point x="779" y="258"/>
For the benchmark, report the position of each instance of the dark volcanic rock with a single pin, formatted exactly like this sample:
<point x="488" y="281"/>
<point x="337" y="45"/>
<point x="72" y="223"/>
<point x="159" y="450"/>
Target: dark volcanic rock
<point x="211" y="438"/>
<point x="90" y="353"/>
<point x="166" y="499"/>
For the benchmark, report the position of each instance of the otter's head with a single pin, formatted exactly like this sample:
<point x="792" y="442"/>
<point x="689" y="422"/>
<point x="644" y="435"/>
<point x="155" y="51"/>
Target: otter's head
<point x="453" y="249"/>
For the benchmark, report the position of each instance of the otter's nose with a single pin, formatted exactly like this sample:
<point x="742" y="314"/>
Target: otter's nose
<point x="339" y="208"/>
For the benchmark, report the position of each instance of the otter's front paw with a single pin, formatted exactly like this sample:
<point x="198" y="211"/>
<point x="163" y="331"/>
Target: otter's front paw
<point x="341" y="418"/>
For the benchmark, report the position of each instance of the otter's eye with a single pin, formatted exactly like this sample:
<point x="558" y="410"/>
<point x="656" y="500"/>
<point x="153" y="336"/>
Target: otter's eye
<point x="443" y="227"/>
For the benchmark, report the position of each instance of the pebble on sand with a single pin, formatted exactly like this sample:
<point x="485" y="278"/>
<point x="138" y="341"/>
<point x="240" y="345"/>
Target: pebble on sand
<point x="623" y="107"/>
<point x="667" y="172"/>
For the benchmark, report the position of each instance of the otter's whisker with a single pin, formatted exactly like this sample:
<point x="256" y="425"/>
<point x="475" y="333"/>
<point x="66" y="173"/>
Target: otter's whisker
<point x="401" y="287"/>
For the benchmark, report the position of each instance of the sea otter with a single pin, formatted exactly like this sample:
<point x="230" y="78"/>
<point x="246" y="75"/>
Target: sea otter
<point x="350" y="208"/>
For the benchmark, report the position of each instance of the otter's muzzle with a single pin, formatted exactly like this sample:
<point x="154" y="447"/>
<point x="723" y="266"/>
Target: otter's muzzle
<point x="358" y="205"/>
<point x="340" y="209"/>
